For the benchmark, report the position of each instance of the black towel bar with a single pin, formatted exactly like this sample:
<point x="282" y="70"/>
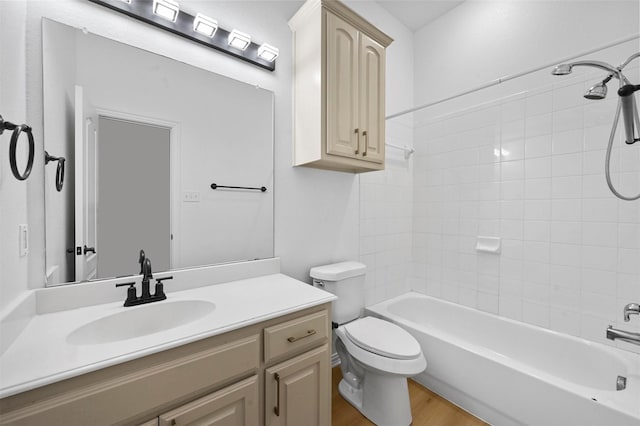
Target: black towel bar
<point x="216" y="186"/>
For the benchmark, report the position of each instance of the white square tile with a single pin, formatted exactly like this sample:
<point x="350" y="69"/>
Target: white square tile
<point x="568" y="119"/>
<point x="512" y="170"/>
<point x="567" y="165"/>
<point x="566" y="210"/>
<point x="629" y="235"/>
<point x="537" y="230"/>
<point x="596" y="257"/>
<point x="541" y="103"/>
<point x="538" y="125"/>
<point x="512" y="190"/>
<point x="536" y="251"/>
<point x="538" y="167"/>
<point x="600" y="234"/>
<point x="538" y="146"/>
<point x="537" y="189"/>
<point x="568" y="142"/>
<point x="600" y="209"/>
<point x="535" y="313"/>
<point x="538" y="210"/>
<point x="566" y="187"/>
<point x="566" y="232"/>
<point x="566" y="254"/>
<point x="512" y="150"/>
<point x="510" y="307"/>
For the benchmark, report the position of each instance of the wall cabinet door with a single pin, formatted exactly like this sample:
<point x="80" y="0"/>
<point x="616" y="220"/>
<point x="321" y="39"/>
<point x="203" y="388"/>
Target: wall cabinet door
<point x="371" y="98"/>
<point x="342" y="88"/>
<point x="297" y="391"/>
<point x="235" y="405"/>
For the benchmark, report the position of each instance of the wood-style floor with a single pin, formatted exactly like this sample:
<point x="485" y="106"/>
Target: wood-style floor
<point x="427" y="408"/>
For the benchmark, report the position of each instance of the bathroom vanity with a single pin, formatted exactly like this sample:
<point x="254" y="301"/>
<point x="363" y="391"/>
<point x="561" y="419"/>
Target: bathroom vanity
<point x="260" y="356"/>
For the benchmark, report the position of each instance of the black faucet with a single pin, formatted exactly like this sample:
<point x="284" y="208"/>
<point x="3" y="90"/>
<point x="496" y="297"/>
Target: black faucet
<point x="146" y="296"/>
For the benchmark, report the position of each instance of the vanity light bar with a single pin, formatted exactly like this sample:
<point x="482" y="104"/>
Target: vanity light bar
<point x="199" y="28"/>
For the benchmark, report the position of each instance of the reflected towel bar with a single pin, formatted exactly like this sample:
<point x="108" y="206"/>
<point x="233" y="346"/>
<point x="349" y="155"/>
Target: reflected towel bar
<point x="216" y="186"/>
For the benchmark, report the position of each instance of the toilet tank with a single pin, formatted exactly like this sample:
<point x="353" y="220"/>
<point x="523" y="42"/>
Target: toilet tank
<point x="345" y="280"/>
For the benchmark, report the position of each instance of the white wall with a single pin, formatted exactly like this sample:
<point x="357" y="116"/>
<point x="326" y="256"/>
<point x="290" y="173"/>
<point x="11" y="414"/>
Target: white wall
<point x="571" y="251"/>
<point x="17" y="274"/>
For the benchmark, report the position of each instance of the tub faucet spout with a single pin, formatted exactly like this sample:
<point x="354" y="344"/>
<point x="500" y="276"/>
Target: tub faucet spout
<point x="631" y="309"/>
<point x="625" y="336"/>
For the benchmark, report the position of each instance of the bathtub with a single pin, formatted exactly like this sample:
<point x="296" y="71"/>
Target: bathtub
<point x="510" y="373"/>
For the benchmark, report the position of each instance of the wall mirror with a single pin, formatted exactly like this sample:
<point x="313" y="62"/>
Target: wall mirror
<point x="144" y="137"/>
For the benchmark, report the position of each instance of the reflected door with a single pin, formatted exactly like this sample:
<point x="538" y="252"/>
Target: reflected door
<point x="134" y="196"/>
<point x="86" y="259"/>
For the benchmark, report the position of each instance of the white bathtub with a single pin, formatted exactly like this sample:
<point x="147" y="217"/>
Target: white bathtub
<point x="510" y="373"/>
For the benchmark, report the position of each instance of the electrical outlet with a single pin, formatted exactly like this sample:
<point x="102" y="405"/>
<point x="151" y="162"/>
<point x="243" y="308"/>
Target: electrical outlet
<point x="191" y="196"/>
<point x="23" y="239"/>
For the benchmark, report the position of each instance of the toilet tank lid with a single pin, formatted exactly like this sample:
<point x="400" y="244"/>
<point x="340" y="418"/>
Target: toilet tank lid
<point x="338" y="271"/>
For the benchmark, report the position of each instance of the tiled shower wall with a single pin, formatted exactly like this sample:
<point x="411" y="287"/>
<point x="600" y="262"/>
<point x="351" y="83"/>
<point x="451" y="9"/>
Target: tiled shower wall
<point x="529" y="168"/>
<point x="386" y="218"/>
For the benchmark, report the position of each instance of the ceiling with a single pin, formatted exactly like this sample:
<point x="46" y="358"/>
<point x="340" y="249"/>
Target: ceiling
<point x="415" y="14"/>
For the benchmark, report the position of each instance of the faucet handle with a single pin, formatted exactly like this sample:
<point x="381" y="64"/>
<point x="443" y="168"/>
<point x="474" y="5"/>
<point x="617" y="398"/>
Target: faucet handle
<point x="131" y="292"/>
<point x="631" y="308"/>
<point x="159" y="293"/>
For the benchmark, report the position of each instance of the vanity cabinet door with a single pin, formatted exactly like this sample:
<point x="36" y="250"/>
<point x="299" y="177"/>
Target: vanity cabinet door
<point x="235" y="405"/>
<point x="297" y="391"/>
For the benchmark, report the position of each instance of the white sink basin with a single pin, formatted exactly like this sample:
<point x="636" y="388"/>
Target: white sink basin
<point x="140" y="321"/>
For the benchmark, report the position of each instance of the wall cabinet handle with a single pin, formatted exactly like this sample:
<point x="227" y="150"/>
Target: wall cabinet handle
<point x="357" y="132"/>
<point x="295" y="339"/>
<point x="276" y="409"/>
<point x="366" y="143"/>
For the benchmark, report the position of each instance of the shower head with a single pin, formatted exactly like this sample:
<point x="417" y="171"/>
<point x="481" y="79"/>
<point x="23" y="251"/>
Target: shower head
<point x="562" y="69"/>
<point x="598" y="91"/>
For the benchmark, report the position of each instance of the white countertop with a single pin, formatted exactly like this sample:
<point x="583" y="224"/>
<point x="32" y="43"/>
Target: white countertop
<point x="41" y="355"/>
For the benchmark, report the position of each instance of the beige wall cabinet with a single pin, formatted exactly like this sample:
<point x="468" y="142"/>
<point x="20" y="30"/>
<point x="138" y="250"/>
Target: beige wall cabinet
<point x="214" y="381"/>
<point x="339" y="89"/>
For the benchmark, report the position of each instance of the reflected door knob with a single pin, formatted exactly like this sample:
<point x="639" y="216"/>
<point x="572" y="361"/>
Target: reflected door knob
<point x="89" y="249"/>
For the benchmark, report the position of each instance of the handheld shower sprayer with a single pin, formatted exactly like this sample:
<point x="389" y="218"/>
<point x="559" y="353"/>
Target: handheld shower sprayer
<point x="626" y="105"/>
<point x="629" y="111"/>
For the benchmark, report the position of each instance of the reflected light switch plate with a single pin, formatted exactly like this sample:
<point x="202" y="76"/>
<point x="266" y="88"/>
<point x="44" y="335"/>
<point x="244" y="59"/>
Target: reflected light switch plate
<point x="191" y="196"/>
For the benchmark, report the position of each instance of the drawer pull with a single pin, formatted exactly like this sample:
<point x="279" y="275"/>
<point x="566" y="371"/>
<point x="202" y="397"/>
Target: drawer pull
<point x="276" y="409"/>
<point x="295" y="339"/>
<point x="366" y="143"/>
<point x="357" y="132"/>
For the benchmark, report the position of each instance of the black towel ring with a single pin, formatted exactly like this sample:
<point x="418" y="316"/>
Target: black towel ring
<point x="17" y="130"/>
<point x="59" y="171"/>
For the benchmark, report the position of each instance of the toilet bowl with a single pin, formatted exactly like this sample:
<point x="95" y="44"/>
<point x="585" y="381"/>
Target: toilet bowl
<point x="376" y="356"/>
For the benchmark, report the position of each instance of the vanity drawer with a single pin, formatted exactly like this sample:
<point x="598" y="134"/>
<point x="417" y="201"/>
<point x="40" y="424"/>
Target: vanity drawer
<point x="292" y="335"/>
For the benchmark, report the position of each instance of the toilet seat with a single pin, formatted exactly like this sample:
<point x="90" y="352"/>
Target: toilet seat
<point x="372" y="360"/>
<point x="382" y="338"/>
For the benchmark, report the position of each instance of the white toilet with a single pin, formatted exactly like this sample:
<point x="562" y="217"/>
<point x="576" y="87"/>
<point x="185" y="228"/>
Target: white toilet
<point x="376" y="356"/>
